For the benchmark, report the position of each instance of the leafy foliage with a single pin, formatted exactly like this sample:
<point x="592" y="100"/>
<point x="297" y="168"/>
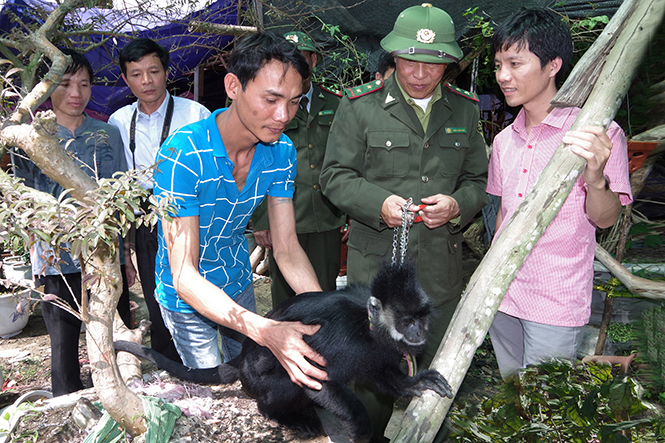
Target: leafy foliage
<point x="560" y="402"/>
<point x="650" y="338"/>
<point x="78" y="226"/>
<point x="346" y="65"/>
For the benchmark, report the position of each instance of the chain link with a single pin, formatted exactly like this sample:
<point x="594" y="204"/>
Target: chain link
<point x="401" y="233"/>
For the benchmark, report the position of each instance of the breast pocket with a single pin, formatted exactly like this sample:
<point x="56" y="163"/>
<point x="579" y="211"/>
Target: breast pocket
<point x="388" y="154"/>
<point x="325" y="118"/>
<point x="451" y="152"/>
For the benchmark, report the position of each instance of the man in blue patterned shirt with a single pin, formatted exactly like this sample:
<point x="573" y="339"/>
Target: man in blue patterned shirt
<point x="218" y="170"/>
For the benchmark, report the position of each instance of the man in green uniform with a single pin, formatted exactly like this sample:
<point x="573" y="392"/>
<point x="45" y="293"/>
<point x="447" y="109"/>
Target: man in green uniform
<point x="410" y="137"/>
<point x="318" y="222"/>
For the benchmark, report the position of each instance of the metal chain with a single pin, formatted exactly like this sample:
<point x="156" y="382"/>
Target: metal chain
<point x="401" y="233"/>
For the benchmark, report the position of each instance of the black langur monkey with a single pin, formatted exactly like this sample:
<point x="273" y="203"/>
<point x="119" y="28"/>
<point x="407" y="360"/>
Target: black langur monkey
<point x="365" y="333"/>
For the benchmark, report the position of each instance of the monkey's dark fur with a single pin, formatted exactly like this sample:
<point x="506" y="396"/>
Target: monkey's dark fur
<point x="363" y="336"/>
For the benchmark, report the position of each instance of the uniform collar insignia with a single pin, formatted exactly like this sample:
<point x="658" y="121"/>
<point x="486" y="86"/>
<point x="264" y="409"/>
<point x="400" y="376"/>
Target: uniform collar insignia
<point x="389" y="98"/>
<point x="321" y="95"/>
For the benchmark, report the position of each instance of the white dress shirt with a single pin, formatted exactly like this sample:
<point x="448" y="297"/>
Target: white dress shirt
<point x="149" y="128"/>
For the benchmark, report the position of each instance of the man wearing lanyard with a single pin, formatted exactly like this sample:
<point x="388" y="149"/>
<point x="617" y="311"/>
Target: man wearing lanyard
<point x="144" y="125"/>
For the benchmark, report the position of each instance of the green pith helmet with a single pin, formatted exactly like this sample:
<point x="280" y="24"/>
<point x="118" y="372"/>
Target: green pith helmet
<point x="302" y="41"/>
<point x="424" y="34"/>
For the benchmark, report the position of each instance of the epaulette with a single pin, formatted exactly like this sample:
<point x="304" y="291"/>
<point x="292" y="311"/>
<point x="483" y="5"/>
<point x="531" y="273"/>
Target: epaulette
<point x="332" y="91"/>
<point x="462" y="92"/>
<point x="359" y="91"/>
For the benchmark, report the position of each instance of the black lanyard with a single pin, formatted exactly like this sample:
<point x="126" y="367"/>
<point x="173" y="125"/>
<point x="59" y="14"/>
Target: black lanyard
<point x="165" y="128"/>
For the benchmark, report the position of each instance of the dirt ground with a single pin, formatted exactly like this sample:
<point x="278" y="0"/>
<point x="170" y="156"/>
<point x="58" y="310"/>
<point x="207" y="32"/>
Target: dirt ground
<point x="210" y="414"/>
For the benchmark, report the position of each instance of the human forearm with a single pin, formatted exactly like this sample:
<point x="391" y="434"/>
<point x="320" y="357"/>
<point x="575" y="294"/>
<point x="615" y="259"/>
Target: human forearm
<point x="602" y="206"/>
<point x="297" y="269"/>
<point x="284" y="339"/>
<point x="287" y="252"/>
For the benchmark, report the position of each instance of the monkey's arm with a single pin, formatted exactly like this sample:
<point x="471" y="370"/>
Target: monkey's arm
<point x="284" y="339"/>
<point x="395" y="383"/>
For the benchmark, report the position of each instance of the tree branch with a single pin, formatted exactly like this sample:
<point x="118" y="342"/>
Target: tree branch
<point x="521" y="232"/>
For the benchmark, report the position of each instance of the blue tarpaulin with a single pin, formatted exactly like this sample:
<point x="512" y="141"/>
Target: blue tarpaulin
<point x="188" y="49"/>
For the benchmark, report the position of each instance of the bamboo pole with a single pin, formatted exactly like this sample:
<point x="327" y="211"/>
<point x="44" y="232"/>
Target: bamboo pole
<point x="489" y="283"/>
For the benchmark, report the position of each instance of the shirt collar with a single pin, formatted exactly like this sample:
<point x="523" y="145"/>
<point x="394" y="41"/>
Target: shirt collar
<point x="219" y="150"/>
<point x="436" y="95"/>
<point x="555" y="119"/>
<point x="79" y="130"/>
<point x="160" y="112"/>
<point x="310" y="92"/>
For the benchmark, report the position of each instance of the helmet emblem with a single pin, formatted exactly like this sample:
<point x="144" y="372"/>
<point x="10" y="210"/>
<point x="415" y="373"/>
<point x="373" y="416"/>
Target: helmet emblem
<point x="425" y="36"/>
<point x="293" y="38"/>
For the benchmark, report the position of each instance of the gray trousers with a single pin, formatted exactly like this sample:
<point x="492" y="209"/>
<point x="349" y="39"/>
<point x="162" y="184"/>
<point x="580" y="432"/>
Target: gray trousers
<point x="520" y="343"/>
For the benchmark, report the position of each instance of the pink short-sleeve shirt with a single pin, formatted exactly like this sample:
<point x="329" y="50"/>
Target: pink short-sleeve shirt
<point x="554" y="285"/>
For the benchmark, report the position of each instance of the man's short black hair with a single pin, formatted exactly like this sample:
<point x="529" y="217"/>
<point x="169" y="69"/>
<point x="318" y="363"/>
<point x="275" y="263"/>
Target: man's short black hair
<point x="78" y="62"/>
<point x="254" y="51"/>
<point x="386" y="61"/>
<point x="138" y="48"/>
<point x="542" y="32"/>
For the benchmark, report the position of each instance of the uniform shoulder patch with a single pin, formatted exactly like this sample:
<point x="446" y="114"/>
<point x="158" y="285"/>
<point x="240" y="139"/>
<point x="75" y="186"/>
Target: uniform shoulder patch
<point x="331" y="90"/>
<point x="359" y="91"/>
<point x="462" y="92"/>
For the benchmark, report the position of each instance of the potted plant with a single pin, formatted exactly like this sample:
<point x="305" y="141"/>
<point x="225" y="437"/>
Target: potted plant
<point x="16" y="258"/>
<point x="14" y="311"/>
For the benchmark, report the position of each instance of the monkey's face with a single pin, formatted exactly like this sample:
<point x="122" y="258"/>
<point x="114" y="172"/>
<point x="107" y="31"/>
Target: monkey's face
<point x="407" y="328"/>
<point x="413" y="330"/>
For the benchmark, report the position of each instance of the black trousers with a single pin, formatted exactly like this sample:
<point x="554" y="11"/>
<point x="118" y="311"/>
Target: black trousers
<point x="146" y="253"/>
<point x="324" y="250"/>
<point x="64" y="329"/>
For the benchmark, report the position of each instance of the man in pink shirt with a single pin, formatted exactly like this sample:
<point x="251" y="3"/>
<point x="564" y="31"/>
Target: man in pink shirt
<point x="549" y="302"/>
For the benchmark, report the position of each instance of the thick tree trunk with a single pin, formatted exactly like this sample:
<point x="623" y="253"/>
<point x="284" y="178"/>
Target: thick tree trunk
<point x="489" y="283"/>
<point x="42" y="145"/>
<point x="122" y="404"/>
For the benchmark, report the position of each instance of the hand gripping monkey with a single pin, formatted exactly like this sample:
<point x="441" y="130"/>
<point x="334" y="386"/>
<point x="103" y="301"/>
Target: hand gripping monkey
<point x="365" y="332"/>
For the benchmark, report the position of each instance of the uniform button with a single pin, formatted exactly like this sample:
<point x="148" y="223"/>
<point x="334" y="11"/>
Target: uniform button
<point x="425" y="178"/>
<point x="311" y="146"/>
<point x="389" y="143"/>
<point x="530" y="147"/>
<point x="316" y="187"/>
<point x="457" y="144"/>
<point x="312" y="166"/>
<point x="455" y="245"/>
<point x="524" y="170"/>
<point x="519" y="194"/>
<point x="426" y="145"/>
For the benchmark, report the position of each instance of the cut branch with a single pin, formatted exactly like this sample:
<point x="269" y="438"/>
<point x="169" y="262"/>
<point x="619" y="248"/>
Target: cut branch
<point x="489" y="283"/>
<point x="214" y="28"/>
<point x="638" y="286"/>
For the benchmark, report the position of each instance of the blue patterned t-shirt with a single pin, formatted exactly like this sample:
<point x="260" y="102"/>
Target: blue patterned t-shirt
<point x="194" y="168"/>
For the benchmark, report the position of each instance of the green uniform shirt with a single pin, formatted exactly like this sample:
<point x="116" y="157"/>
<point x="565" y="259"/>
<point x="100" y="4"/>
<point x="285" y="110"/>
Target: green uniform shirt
<point x="377" y="147"/>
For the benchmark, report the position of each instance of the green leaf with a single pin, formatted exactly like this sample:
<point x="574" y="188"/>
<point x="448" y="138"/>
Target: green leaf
<point x="653" y="241"/>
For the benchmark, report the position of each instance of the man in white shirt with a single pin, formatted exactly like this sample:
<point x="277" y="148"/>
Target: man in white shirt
<point x="144" y="125"/>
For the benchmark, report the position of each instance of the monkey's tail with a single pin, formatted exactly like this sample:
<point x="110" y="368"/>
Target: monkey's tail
<point x="222" y="374"/>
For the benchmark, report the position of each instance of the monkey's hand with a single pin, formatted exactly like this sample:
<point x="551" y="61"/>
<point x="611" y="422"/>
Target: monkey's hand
<point x="432" y="379"/>
<point x="284" y="339"/>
